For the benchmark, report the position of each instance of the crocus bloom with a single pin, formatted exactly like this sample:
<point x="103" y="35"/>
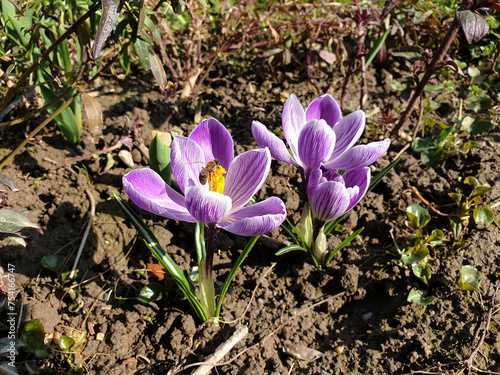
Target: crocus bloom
<point x="222" y="201"/>
<point x="332" y="195"/>
<point x="320" y="137"/>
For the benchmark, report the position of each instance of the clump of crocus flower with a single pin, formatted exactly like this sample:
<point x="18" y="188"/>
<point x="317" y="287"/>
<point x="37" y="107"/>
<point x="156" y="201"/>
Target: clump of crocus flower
<point x="322" y="144"/>
<point x="210" y="195"/>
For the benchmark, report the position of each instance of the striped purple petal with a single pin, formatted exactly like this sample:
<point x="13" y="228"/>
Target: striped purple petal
<point x="348" y="130"/>
<point x="148" y="191"/>
<point x="256" y="219"/>
<point x="316" y="143"/>
<point x="357" y="183"/>
<point x="332" y="175"/>
<point x="326" y="108"/>
<point x="187" y="160"/>
<point x="359" y="156"/>
<point x="215" y="141"/>
<point x="246" y="175"/>
<point x="265" y="138"/>
<point x="293" y="119"/>
<point x="206" y="206"/>
<point x="328" y="200"/>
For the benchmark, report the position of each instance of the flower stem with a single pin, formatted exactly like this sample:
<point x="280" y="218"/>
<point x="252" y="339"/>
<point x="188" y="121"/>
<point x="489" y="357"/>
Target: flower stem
<point x="305" y="197"/>
<point x="205" y="266"/>
<point x="318" y="254"/>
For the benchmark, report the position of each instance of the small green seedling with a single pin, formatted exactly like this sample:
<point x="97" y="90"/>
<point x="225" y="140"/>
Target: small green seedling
<point x="449" y="142"/>
<point x="33" y="336"/>
<point x="415" y="253"/>
<point x="66" y="343"/>
<point x="471" y="206"/>
<point x="151" y="292"/>
<point x="470" y="278"/>
<point x="14" y="225"/>
<point x="420" y="297"/>
<point x="53" y="262"/>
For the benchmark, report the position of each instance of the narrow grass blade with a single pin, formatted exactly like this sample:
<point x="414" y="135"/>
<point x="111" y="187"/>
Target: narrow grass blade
<point x="235" y="268"/>
<point x="289" y="231"/>
<point x="330" y="226"/>
<point x="380" y="175"/>
<point x="289" y="249"/>
<point x="344" y="243"/>
<point x="373" y="52"/>
<point x="165" y="259"/>
<point x="299" y="235"/>
<point x="66" y="120"/>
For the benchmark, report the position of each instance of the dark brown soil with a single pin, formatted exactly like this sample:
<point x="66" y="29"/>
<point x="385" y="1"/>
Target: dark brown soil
<point x="362" y="322"/>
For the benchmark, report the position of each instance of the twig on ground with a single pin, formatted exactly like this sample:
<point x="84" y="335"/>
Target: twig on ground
<point x="495" y="205"/>
<point x="123" y="140"/>
<point x="469" y="362"/>
<point x="87" y="230"/>
<point x="222" y="350"/>
<point x="484" y="371"/>
<point x="429" y="205"/>
<point x="391" y="232"/>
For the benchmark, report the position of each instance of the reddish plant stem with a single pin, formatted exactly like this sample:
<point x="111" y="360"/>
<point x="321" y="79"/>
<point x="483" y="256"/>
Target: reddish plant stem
<point x="363" y="82"/>
<point x="105" y="150"/>
<point x="309" y="73"/>
<point x="344" y="87"/>
<point x="431" y="69"/>
<point x="35" y="112"/>
<point x="212" y="233"/>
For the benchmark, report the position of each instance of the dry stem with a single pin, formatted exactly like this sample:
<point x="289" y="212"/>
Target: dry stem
<point x="87" y="230"/>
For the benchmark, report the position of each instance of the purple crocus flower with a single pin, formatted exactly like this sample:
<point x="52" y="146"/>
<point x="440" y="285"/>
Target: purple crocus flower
<point x="320" y="137"/>
<point x="332" y="195"/>
<point x="221" y="204"/>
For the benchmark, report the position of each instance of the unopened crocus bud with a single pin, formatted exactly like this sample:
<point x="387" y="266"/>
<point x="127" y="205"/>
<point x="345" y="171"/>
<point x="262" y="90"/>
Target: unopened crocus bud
<point x="320" y="246"/>
<point x="306" y="225"/>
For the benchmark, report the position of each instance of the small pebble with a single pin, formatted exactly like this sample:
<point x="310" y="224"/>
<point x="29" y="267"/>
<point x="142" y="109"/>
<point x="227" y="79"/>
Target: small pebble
<point x="367" y="316"/>
<point x="126" y="157"/>
<point x="136" y="156"/>
<point x="339" y="349"/>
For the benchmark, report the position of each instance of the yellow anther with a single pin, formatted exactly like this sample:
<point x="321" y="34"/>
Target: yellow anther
<point x="216" y="180"/>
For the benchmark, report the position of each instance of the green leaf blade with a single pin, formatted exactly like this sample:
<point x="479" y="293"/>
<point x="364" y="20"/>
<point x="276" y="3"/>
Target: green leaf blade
<point x="470" y="278"/>
<point x="483" y="215"/>
<point x="418" y="216"/>
<point x="420" y="297"/>
<point x="289" y="249"/>
<point x="164" y="259"/>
